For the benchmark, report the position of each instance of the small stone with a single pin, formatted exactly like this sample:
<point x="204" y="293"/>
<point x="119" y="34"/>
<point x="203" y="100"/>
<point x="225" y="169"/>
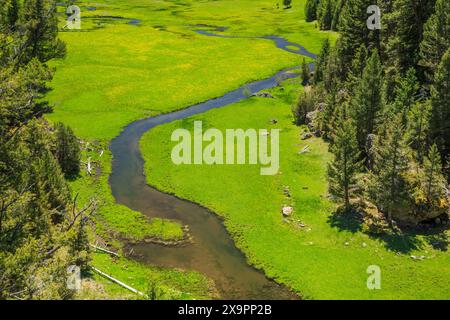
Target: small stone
<point x="287" y="211"/>
<point x="346" y="243"/>
<point x="364" y="245"/>
<point x="437" y="221"/>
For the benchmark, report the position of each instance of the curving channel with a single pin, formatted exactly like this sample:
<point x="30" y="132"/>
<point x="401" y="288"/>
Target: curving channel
<point x="213" y="251"/>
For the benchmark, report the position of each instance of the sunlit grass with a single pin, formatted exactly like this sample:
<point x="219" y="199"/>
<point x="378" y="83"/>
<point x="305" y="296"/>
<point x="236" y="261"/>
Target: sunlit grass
<point x="322" y="260"/>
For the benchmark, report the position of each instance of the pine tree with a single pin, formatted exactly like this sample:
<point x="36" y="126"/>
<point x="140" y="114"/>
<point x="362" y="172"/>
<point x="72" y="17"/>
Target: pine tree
<point x="67" y="150"/>
<point x="436" y="37"/>
<point x="366" y="104"/>
<point x="336" y="14"/>
<point x="321" y="61"/>
<point x="328" y="114"/>
<point x="305" y="72"/>
<point x="13" y="14"/>
<point x="440" y="111"/>
<point x="418" y="126"/>
<point x="311" y="10"/>
<point x="40" y="31"/>
<point x="434" y="181"/>
<point x="406" y="94"/>
<point x="342" y="170"/>
<point x="356" y="71"/>
<point x="354" y="32"/>
<point x="325" y="14"/>
<point x="409" y="17"/>
<point x="388" y="187"/>
<point x="333" y="72"/>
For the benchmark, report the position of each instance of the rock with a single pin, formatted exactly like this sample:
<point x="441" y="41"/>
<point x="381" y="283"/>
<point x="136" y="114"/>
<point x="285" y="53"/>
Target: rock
<point x="346" y="243"/>
<point x="437" y="221"/>
<point x="307" y="136"/>
<point x="364" y="245"/>
<point x="263" y="95"/>
<point x="287" y="211"/>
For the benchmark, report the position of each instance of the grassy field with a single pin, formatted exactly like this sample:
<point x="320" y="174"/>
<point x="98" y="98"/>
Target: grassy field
<point x="329" y="256"/>
<point x="166" y="284"/>
<point x="115" y="73"/>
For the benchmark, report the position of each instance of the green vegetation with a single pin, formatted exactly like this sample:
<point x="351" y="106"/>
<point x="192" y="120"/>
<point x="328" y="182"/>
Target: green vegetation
<point x="165" y="284"/>
<point x="328" y="257"/>
<point x="158" y="66"/>
<point x="379" y="99"/>
<point x="42" y="231"/>
<point x="67" y="150"/>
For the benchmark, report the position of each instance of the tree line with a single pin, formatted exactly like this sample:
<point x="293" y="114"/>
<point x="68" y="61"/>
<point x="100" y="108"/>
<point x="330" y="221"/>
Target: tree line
<point x="382" y="99"/>
<point x="42" y="232"/>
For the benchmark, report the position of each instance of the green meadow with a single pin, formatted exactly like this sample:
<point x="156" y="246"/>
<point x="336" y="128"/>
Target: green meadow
<point x="318" y="255"/>
<point x="116" y="72"/>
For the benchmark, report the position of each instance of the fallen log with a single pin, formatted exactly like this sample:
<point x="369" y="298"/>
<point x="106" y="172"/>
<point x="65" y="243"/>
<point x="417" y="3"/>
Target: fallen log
<point x="105" y="250"/>
<point x="120" y="283"/>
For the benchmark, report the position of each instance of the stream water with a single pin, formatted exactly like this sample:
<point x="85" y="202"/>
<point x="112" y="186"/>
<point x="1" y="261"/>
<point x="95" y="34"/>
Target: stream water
<point x="213" y="251"/>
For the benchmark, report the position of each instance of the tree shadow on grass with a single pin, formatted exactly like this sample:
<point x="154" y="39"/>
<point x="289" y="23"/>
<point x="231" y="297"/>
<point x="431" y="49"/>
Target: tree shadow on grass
<point x="346" y="221"/>
<point x="408" y="239"/>
<point x="402" y="240"/>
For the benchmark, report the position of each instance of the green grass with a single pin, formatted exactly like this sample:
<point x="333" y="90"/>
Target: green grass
<point x="329" y="257"/>
<point x="115" y="73"/>
<point x="170" y="284"/>
<point x="120" y="73"/>
<point x="113" y="220"/>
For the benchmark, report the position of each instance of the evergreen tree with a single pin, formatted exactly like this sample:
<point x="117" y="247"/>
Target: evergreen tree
<point x="356" y="71"/>
<point x="406" y="94"/>
<point x="436" y="37"/>
<point x="434" y="181"/>
<point x="333" y="72"/>
<point x="388" y="187"/>
<point x="409" y="17"/>
<point x="305" y="72"/>
<point x="336" y="14"/>
<point x="342" y="170"/>
<point x="354" y="32"/>
<point x="328" y="114"/>
<point x="325" y="14"/>
<point x="311" y="10"/>
<point x="440" y="111"/>
<point x="67" y="150"/>
<point x="40" y="33"/>
<point x="366" y="104"/>
<point x="13" y="14"/>
<point x="321" y="61"/>
<point x="418" y="126"/>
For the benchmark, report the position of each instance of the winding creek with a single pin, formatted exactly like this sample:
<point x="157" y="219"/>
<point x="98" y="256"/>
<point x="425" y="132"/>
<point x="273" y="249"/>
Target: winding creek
<point x="213" y="251"/>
